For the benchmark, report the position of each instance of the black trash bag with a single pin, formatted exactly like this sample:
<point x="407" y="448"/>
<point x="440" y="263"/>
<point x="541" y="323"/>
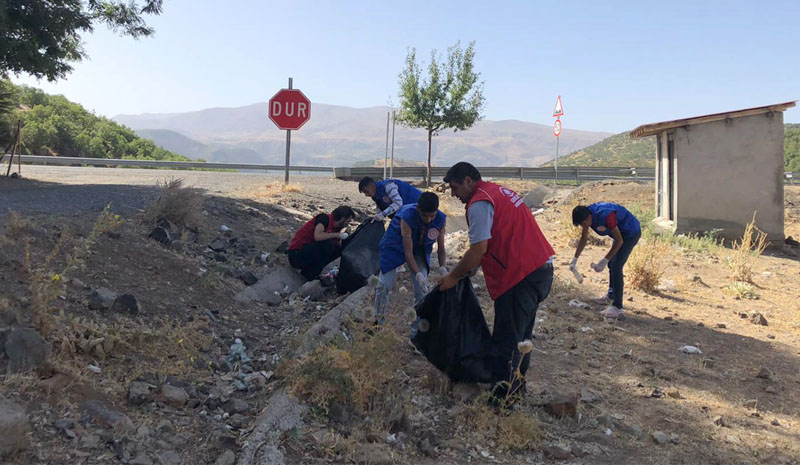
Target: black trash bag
<point x="360" y="257"/>
<point x="453" y="334"/>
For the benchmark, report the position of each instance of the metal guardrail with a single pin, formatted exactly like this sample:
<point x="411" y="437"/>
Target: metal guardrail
<point x="576" y="174"/>
<point x="114" y="162"/>
<point x="572" y="173"/>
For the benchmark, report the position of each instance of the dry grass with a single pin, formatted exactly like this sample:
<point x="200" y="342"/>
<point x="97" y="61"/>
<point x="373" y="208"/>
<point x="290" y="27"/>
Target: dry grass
<point x="567" y="230"/>
<point x="352" y="373"/>
<point x="515" y="430"/>
<point x="179" y="205"/>
<point x="646" y="265"/>
<point x="279" y="187"/>
<point x="746" y="251"/>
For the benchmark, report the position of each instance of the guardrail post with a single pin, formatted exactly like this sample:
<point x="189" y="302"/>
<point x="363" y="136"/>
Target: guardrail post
<point x="577" y="176"/>
<point x="521" y="173"/>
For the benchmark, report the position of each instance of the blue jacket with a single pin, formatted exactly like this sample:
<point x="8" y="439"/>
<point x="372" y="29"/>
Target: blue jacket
<point x="422" y="235"/>
<point x="408" y="193"/>
<point x="627" y="223"/>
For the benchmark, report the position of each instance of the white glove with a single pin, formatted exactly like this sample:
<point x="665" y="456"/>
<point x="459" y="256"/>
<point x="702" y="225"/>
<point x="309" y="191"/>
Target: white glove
<point x="573" y="267"/>
<point x="378" y="217"/>
<point x="601" y="265"/>
<point x="343" y="235"/>
<point x="442" y="270"/>
<point x="422" y="281"/>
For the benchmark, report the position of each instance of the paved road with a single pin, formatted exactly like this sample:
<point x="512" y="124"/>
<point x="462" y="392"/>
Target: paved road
<point x="75" y="190"/>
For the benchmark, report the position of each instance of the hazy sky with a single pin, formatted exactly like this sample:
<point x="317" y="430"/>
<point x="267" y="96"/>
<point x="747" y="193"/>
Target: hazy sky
<point x="616" y="64"/>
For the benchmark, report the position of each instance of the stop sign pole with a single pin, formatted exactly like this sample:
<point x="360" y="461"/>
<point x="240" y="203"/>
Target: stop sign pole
<point x="289" y="109"/>
<point x="288" y="148"/>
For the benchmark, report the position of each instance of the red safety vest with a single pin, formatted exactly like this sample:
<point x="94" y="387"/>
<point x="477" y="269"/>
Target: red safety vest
<point x="305" y="235"/>
<point x="517" y="247"/>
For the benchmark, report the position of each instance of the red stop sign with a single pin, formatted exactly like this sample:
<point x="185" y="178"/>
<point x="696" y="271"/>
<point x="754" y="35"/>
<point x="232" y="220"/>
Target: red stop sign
<point x="289" y="109"/>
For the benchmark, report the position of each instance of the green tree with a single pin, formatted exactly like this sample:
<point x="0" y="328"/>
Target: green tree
<point x="8" y="96"/>
<point x="450" y="97"/>
<point x="42" y="37"/>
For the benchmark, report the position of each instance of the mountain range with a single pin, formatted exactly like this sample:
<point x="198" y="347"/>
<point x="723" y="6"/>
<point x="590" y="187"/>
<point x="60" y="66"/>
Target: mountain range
<point x="343" y="136"/>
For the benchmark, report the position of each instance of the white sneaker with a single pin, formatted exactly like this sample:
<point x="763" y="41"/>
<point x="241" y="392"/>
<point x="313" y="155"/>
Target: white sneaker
<point x="613" y="312"/>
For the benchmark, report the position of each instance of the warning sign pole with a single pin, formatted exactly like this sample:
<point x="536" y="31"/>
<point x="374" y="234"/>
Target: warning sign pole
<point x="558" y="112"/>
<point x="555" y="181"/>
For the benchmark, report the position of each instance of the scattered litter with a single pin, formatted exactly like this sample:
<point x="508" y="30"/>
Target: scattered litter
<point x="211" y="315"/>
<point x="391" y="439"/>
<point x="264" y="257"/>
<point x="586" y="329"/>
<point x="607" y="432"/>
<point x="539" y="211"/>
<point x="237" y="352"/>
<point x="332" y="272"/>
<point x="345" y="336"/>
<point x="224" y="228"/>
<point x="577" y="303"/>
<point x="690" y="350"/>
<point x="95" y="369"/>
<point x="667" y="286"/>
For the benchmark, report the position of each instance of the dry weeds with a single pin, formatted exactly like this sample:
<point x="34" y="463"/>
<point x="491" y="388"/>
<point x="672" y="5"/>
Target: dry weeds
<point x="179" y="205"/>
<point x="647" y="264"/>
<point x="746" y="251"/>
<point x="351" y="373"/>
<point x="279" y="187"/>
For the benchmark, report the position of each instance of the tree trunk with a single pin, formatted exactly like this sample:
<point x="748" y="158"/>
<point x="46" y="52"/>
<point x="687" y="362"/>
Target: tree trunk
<point x="430" y="135"/>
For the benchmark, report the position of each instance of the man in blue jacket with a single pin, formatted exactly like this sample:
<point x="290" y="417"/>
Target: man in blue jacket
<point x="389" y="195"/>
<point x="409" y="239"/>
<point x="608" y="219"/>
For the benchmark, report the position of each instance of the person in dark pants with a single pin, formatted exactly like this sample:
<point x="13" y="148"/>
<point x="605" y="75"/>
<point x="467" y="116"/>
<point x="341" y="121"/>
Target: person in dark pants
<point x="608" y="219"/>
<point x="517" y="265"/>
<point x="319" y="241"/>
<point x="389" y="195"/>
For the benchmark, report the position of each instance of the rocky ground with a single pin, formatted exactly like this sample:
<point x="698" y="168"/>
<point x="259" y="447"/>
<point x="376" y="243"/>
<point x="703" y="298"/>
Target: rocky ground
<point x="123" y="345"/>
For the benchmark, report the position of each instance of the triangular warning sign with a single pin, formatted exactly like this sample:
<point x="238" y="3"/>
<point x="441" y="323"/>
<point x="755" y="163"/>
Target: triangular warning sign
<point x="558" y="110"/>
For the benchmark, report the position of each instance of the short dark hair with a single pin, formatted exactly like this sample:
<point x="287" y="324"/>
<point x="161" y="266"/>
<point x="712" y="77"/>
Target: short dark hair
<point x="462" y="170"/>
<point x="428" y="202"/>
<point x="343" y="212"/>
<point x="579" y="214"/>
<point x="365" y="181"/>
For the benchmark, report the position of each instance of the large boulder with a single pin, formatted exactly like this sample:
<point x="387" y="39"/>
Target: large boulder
<point x="537" y="195"/>
<point x="102" y="299"/>
<point x="270" y="288"/>
<point x="14" y="427"/>
<point x="25" y="349"/>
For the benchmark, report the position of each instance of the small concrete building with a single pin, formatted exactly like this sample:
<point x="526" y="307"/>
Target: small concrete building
<point x="714" y="171"/>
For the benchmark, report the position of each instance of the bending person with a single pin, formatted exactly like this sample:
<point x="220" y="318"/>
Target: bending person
<point x="319" y="241"/>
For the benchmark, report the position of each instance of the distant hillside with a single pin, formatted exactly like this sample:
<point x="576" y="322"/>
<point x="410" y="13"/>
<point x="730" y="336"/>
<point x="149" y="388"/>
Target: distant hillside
<point x="52" y="125"/>
<point x="189" y="147"/>
<point x="617" y="150"/>
<point x="338" y="135"/>
<point x="378" y="163"/>
<point x="621" y="150"/>
<point x="791" y="147"/>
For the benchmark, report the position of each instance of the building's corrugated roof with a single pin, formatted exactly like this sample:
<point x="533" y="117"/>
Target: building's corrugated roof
<point x="655" y="128"/>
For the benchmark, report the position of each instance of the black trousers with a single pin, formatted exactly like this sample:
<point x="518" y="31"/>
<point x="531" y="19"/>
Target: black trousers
<point x="514" y="317"/>
<point x="311" y="259"/>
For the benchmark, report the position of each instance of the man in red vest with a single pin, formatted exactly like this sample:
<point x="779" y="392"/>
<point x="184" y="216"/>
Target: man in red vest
<point x="319" y="241"/>
<point x="517" y="264"/>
